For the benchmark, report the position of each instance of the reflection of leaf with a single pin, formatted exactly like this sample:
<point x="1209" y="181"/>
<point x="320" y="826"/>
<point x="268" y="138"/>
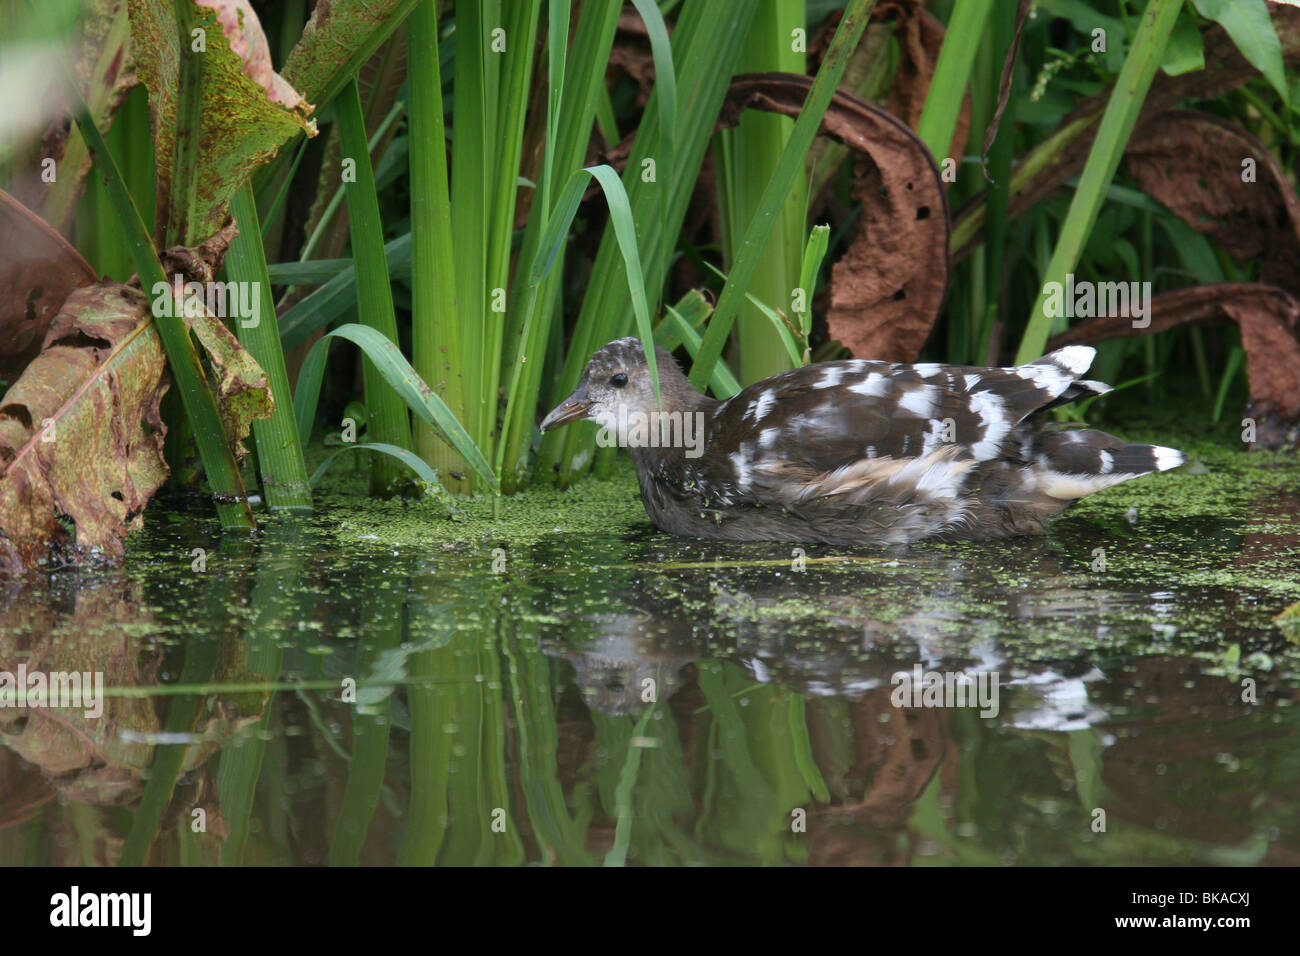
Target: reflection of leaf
<point x="38" y="268"/>
<point x="105" y="759"/>
<point x="887" y="289"/>
<point x="236" y="127"/>
<point x="98" y="760"/>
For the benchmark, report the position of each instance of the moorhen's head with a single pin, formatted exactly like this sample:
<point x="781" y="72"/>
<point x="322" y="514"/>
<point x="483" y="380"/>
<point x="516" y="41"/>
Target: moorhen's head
<point x="616" y="385"/>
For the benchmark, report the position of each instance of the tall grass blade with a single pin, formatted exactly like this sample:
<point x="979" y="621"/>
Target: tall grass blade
<point x="952" y="75"/>
<point x="707" y="40"/>
<point x="1117" y="122"/>
<point x="389" y="422"/>
<point x="745" y="159"/>
<point x="279" y="451"/>
<point x="410" y="459"/>
<point x="196" y="397"/>
<point x="584" y="72"/>
<point x="337" y="295"/>
<point x="435" y="321"/>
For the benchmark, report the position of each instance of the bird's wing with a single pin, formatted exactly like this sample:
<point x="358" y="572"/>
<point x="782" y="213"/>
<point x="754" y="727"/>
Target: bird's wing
<point x="827" y="428"/>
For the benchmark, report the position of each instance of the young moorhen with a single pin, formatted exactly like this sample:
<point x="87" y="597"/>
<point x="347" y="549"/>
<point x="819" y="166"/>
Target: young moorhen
<point x="857" y="452"/>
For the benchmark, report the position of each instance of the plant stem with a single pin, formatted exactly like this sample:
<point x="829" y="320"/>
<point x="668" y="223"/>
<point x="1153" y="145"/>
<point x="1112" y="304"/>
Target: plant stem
<point x="951" y="75"/>
<point x="842" y="45"/>
<point x="191" y="382"/>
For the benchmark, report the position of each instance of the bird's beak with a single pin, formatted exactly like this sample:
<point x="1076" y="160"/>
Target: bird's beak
<point x="572" y="409"/>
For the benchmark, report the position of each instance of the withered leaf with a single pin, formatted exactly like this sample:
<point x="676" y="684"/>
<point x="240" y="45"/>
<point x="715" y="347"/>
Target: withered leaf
<point x="80" y="431"/>
<point x="888" y="288"/>
<point x="38" y="268"/>
<point x="239" y="124"/>
<point x="1227" y="71"/>
<point x="1196" y="165"/>
<point x="81" y="435"/>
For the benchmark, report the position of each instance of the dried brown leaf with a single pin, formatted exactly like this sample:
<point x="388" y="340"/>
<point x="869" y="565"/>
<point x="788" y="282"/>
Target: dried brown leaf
<point x="1227" y="70"/>
<point x="920" y="37"/>
<point x="38" y="268"/>
<point x="1195" y="164"/>
<point x="887" y="289"/>
<point x="80" y="432"/>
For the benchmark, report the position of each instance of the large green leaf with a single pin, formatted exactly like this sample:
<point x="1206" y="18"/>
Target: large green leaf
<point x="210" y="118"/>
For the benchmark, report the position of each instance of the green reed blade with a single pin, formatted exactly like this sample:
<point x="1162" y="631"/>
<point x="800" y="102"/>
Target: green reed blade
<point x="279" y="451"/>
<point x="435" y="318"/>
<point x="389" y="422"/>
<point x="405" y="385"/>
<point x="196" y="397"/>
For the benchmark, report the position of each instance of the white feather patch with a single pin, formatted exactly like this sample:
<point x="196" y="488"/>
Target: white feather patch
<point x="1167" y="458"/>
<point x="920" y="401"/>
<point x="1076" y="358"/>
<point x="874" y="384"/>
<point x="992" y="412"/>
<point x="833" y="375"/>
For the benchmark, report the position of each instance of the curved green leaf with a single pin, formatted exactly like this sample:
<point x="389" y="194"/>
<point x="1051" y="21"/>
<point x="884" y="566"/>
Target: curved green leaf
<point x="410" y="459"/>
<point x="620" y="216"/>
<point x="397" y="372"/>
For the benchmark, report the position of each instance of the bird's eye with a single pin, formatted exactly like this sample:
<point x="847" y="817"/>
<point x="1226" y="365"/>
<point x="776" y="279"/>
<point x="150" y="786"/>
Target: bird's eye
<point x="619" y="380"/>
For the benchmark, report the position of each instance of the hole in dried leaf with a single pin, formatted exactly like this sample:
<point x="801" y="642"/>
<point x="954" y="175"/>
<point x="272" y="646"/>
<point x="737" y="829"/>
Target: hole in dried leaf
<point x="19" y="413"/>
<point x="923" y="212"/>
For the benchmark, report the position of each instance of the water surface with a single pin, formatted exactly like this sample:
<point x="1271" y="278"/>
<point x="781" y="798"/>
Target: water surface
<point x="563" y="684"/>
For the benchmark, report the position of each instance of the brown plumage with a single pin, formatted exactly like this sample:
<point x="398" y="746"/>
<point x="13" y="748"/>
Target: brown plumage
<point x="856" y="453"/>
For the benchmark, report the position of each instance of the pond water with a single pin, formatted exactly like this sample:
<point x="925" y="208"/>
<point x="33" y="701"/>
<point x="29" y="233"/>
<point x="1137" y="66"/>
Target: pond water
<point x="385" y="683"/>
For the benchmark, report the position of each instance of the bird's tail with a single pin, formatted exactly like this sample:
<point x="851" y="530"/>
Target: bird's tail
<point x="1071" y="463"/>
